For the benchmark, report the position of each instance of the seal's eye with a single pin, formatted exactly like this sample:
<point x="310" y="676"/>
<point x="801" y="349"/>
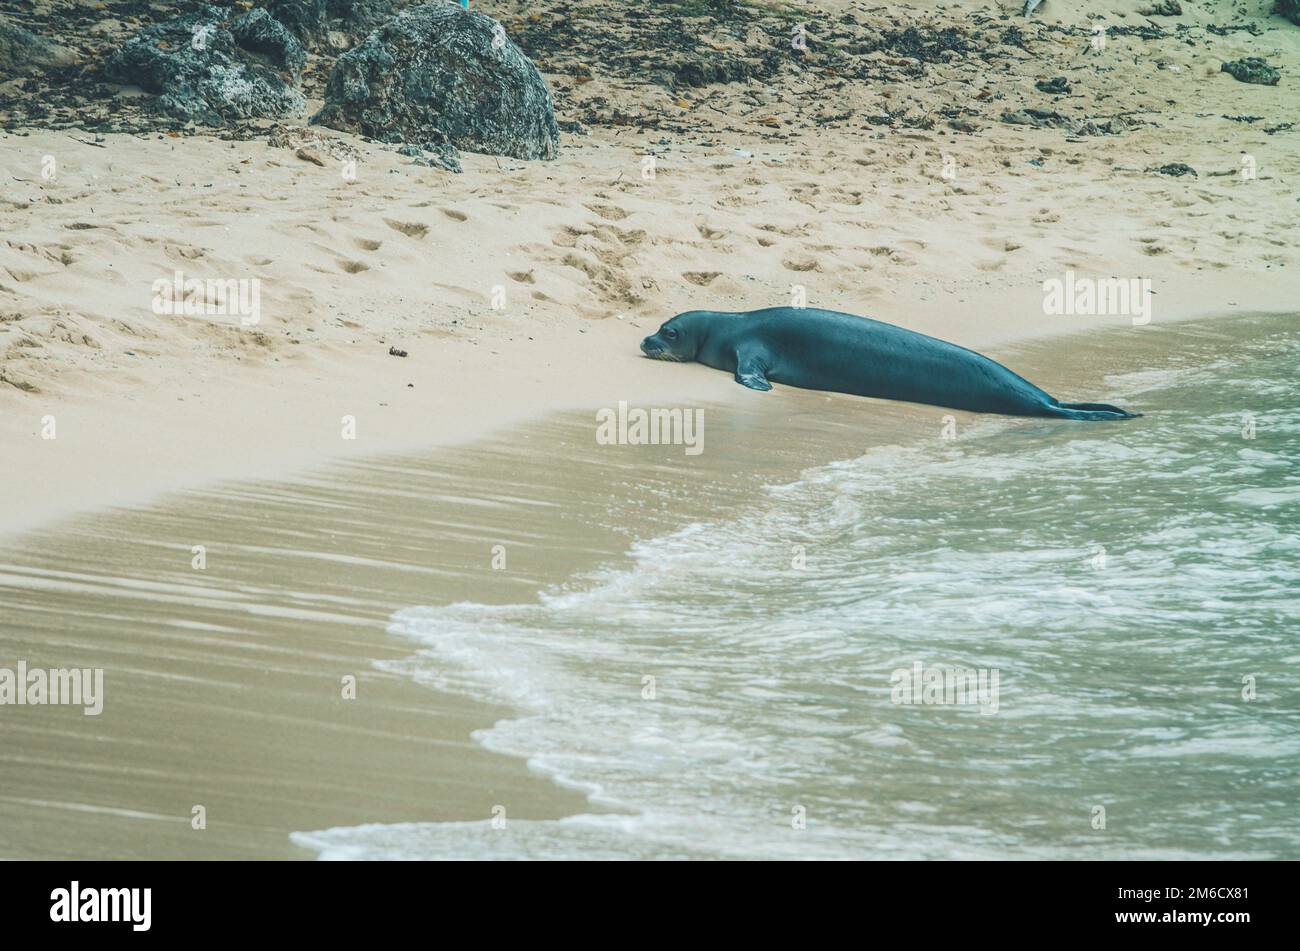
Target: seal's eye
<point x="669" y="333"/>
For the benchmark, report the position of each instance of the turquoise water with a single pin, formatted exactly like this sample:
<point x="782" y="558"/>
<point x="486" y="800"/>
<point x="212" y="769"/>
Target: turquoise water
<point x="1135" y="586"/>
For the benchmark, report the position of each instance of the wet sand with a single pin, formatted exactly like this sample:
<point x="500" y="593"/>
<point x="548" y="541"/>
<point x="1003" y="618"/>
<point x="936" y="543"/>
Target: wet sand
<point x="224" y="685"/>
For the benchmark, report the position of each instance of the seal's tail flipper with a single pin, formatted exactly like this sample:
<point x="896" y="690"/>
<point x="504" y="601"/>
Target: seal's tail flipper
<point x="1089" y="411"/>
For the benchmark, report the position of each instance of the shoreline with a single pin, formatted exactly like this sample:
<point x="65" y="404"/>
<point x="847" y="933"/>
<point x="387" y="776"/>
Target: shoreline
<point x="302" y="579"/>
<point x="901" y="427"/>
<point x="191" y="447"/>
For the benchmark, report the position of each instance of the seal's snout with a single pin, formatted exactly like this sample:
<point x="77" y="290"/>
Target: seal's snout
<point x="652" y="347"/>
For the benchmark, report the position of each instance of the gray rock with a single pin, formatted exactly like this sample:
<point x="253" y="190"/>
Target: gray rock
<point x="305" y="19"/>
<point x="1289" y="9"/>
<point x="360" y="17"/>
<point x="709" y="69"/>
<point x="439" y="73"/>
<point x="1174" y="170"/>
<point x="201" y="74"/>
<point x="23" y="52"/>
<point x="1051" y="119"/>
<point x="311" y="20"/>
<point x="1038" y="118"/>
<point x="1252" y="69"/>
<point x="258" y="32"/>
<point x="442" y="156"/>
<point x="1057" y="85"/>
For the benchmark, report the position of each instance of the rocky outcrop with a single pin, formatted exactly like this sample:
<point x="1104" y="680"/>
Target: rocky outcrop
<point x="204" y="72"/>
<point x="310" y="21"/>
<point x="363" y="16"/>
<point x="305" y="19"/>
<point x="258" y="32"/>
<point x="440" y="74"/>
<point x="313" y="21"/>
<point x="23" y="52"/>
<point x="1289" y="9"/>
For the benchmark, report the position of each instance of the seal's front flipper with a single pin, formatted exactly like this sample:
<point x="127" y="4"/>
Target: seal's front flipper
<point x="751" y="371"/>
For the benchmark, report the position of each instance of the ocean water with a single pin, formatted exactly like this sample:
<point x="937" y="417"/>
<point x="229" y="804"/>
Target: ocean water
<point x="1130" y="591"/>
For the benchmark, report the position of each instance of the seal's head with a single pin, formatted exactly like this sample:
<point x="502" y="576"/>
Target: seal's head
<point x="679" y="339"/>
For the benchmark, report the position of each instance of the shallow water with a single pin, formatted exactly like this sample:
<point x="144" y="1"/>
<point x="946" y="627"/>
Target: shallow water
<point x="1130" y="584"/>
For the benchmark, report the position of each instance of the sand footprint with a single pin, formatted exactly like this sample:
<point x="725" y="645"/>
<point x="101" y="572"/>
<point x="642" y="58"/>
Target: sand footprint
<point x="22" y="275"/>
<point x="183" y="252"/>
<point x="793" y="231"/>
<point x="1001" y="245"/>
<point x="567" y="236"/>
<point x="455" y="215"/>
<point x="608" y="212"/>
<point x="807" y="264"/>
<point x="367" y="244"/>
<point x="412" y="229"/>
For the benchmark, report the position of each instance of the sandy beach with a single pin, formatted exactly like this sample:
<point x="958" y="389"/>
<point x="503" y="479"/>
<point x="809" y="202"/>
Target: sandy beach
<point x="225" y="683"/>
<point x="587" y="256"/>
<point x="333" y="482"/>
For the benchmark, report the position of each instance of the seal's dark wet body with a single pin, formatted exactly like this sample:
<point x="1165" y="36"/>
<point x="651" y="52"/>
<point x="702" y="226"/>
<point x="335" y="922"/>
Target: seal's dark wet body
<point x="843" y="353"/>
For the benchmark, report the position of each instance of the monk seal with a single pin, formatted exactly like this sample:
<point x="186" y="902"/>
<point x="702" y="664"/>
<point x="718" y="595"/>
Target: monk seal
<point x="827" y="350"/>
